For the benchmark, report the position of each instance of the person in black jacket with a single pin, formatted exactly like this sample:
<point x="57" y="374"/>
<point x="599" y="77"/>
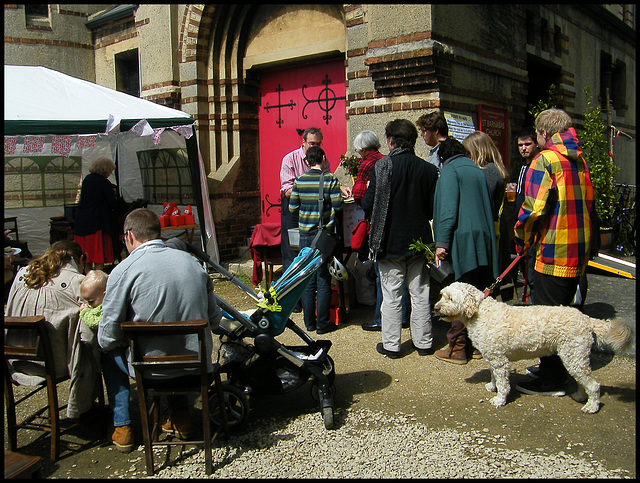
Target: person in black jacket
<point x="399" y="202"/>
<point x="93" y="230"/>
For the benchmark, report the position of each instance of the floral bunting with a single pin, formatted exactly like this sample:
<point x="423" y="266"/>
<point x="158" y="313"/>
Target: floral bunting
<point x="142" y="128"/>
<point x="61" y="145"/>
<point x="85" y="142"/>
<point x="156" y="135"/>
<point x="33" y="144"/>
<point x="9" y="146"/>
<point x="186" y="131"/>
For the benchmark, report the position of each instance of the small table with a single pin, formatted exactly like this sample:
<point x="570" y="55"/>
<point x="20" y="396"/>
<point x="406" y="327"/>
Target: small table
<point x="187" y="231"/>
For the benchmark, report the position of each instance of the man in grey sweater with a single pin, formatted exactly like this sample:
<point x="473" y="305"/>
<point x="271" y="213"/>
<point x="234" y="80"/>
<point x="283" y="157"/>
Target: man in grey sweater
<point x="154" y="283"/>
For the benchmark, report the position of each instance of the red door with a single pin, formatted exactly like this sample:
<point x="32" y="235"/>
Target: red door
<point x="299" y="97"/>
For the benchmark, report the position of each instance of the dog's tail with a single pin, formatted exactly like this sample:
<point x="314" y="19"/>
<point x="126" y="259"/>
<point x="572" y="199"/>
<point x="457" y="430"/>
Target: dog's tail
<point x="612" y="333"/>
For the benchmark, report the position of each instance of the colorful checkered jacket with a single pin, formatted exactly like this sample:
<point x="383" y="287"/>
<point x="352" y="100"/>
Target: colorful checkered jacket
<point x="557" y="208"/>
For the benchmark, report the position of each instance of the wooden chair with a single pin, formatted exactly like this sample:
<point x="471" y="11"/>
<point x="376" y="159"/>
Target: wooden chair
<point x="150" y="391"/>
<point x="21" y="466"/>
<point x="38" y="351"/>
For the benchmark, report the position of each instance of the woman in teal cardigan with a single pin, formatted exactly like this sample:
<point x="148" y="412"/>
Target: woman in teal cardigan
<point x="464" y="233"/>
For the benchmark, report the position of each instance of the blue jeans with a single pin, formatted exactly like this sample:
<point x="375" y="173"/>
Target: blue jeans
<point x="316" y="299"/>
<point x="406" y="300"/>
<point x="115" y="371"/>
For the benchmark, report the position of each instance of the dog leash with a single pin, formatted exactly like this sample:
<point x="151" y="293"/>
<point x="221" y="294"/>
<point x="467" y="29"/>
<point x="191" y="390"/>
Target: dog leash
<point x="488" y="290"/>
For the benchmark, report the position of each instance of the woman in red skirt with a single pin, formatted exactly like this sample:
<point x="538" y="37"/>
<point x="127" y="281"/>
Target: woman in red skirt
<point x="93" y="230"/>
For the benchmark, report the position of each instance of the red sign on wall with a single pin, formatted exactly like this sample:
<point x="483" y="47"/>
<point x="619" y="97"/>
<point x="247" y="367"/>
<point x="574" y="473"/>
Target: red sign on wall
<point x="494" y="122"/>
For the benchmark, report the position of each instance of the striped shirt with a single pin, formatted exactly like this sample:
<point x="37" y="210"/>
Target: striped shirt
<point x="304" y="199"/>
<point x="557" y="206"/>
<point x="293" y="166"/>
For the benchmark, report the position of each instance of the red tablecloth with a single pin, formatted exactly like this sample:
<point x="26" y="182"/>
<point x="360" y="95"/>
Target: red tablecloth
<point x="265" y="243"/>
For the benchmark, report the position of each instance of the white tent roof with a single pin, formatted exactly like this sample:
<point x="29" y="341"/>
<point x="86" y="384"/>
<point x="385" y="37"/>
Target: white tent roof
<point x="41" y="100"/>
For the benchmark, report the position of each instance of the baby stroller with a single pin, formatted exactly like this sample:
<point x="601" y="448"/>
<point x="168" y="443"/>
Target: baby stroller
<point x="264" y="365"/>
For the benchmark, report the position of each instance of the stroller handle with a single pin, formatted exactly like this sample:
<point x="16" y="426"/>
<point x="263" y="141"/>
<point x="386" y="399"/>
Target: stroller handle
<point x="205" y="258"/>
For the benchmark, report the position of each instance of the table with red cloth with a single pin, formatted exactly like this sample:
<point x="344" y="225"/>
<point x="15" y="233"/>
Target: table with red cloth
<point x="264" y="247"/>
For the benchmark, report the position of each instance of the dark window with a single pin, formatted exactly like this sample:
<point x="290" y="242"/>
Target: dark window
<point x="166" y="176"/>
<point x="557" y="42"/>
<point x="531" y="33"/>
<point x="127" y="73"/>
<point x="544" y="34"/>
<point x="37" y="11"/>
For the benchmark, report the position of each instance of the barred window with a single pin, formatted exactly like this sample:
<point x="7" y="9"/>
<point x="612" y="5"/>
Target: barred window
<point x="40" y="180"/>
<point x="166" y="176"/>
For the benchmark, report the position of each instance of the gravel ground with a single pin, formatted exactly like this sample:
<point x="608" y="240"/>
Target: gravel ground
<point x="413" y="417"/>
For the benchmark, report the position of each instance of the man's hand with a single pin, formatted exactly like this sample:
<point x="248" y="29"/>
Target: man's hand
<point x="346" y="191"/>
<point x="288" y="192"/>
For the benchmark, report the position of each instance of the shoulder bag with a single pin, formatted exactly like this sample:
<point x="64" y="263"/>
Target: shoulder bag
<point x="326" y="241"/>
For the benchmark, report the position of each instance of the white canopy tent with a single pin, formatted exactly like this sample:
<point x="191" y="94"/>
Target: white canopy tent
<point x="53" y="122"/>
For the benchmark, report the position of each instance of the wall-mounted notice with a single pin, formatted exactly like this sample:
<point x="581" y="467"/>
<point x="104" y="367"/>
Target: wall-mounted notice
<point x="460" y="126"/>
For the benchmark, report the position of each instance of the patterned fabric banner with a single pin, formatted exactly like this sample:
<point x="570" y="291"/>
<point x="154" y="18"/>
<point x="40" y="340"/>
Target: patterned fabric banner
<point x="85" y="142"/>
<point x="33" y="144"/>
<point x="61" y="145"/>
<point x="142" y="128"/>
<point x="156" y="135"/>
<point x="9" y="146"/>
<point x="186" y="131"/>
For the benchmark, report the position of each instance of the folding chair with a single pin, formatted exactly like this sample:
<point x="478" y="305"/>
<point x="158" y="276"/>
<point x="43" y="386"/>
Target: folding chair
<point x="34" y="328"/>
<point x="151" y="390"/>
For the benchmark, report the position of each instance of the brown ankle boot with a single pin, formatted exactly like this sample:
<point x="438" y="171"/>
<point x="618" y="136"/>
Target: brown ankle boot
<point x="455" y="354"/>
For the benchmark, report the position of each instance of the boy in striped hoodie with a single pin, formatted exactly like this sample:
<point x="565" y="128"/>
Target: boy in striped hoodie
<point x="304" y="201"/>
<point x="558" y="209"/>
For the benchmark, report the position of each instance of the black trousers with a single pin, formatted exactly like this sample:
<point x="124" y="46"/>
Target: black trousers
<point x="287" y="220"/>
<point x="552" y="290"/>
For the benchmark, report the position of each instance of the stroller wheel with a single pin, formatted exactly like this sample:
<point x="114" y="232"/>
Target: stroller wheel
<point x="237" y="407"/>
<point x="315" y="390"/>
<point x="327" y="416"/>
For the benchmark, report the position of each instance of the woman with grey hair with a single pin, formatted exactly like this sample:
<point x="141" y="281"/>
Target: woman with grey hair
<point x="93" y="230"/>
<point x="366" y="145"/>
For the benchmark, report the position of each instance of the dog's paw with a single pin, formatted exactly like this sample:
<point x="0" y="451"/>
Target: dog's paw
<point x="490" y="386"/>
<point x="591" y="407"/>
<point x="498" y="401"/>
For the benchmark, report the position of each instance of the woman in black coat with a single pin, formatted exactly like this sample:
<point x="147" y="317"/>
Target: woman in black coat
<point x="93" y="230"/>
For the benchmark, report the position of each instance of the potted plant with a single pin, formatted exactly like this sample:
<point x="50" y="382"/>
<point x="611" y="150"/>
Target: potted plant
<point x="351" y="165"/>
<point x="595" y="150"/>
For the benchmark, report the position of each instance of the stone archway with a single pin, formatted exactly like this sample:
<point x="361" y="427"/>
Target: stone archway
<point x="222" y="51"/>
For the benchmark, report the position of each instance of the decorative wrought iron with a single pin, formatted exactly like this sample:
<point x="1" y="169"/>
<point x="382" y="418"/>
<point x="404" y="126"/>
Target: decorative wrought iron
<point x="271" y="205"/>
<point x="325" y="102"/>
<point x="279" y="122"/>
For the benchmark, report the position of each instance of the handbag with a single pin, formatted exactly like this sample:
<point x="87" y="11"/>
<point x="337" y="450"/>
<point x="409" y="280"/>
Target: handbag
<point x="360" y="235"/>
<point x="325" y="241"/>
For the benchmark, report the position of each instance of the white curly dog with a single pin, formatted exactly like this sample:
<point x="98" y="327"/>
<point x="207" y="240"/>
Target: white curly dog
<point x="503" y="332"/>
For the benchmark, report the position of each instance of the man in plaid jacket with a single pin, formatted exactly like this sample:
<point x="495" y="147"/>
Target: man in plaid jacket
<point x="558" y="209"/>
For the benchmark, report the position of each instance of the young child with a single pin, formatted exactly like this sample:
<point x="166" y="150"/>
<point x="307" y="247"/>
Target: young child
<point x="92" y="289"/>
<point x="304" y="199"/>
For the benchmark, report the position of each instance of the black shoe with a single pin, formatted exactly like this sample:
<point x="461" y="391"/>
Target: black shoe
<point x="298" y="308"/>
<point x="326" y="330"/>
<point x="533" y="372"/>
<point x="310" y="329"/>
<point x="540" y="387"/>
<point x="390" y="354"/>
<point x="425" y="352"/>
<point x="372" y="326"/>
<point x="406" y="325"/>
